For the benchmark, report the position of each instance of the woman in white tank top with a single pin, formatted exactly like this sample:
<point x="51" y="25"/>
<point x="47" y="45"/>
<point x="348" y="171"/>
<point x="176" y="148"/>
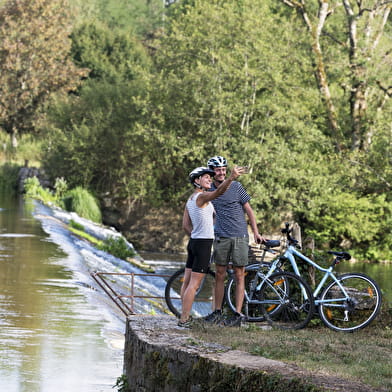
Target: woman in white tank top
<point x="198" y="223"/>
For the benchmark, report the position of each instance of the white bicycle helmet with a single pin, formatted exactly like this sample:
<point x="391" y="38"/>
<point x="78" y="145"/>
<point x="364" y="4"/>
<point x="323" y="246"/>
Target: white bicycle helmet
<point x="217" y="161"/>
<point x="198" y="172"/>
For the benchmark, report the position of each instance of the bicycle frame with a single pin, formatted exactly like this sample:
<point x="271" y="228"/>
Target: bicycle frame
<point x="290" y="254"/>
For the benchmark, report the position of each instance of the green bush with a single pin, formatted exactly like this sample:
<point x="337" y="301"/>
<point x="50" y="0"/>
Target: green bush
<point x="34" y="190"/>
<point x="117" y="247"/>
<point x="82" y="202"/>
<point x="61" y="187"/>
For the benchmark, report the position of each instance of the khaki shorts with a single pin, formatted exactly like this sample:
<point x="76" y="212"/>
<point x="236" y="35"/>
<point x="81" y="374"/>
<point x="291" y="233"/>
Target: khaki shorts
<point x="231" y="250"/>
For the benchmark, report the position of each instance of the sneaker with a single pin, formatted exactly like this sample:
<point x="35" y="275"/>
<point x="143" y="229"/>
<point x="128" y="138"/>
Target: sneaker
<point x="234" y="321"/>
<point x="214" y="318"/>
<point x="185" y="324"/>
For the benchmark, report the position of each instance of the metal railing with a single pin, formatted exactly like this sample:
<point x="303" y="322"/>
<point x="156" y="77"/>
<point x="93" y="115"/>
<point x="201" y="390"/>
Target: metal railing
<point x="118" y="299"/>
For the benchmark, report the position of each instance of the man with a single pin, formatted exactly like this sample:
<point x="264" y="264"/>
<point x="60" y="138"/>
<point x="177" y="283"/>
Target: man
<point x="231" y="244"/>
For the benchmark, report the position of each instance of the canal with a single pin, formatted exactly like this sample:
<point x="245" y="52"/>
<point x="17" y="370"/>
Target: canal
<point x="56" y="334"/>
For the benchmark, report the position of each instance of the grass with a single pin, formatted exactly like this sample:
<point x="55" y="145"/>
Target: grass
<point x="364" y="356"/>
<point x="82" y="202"/>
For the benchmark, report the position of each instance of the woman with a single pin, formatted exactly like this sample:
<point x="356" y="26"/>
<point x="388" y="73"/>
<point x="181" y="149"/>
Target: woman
<point x="198" y="223"/>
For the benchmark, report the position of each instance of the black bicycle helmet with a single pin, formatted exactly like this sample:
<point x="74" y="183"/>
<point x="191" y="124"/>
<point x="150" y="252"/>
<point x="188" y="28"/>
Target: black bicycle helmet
<point x="198" y="172"/>
<point x="217" y="161"/>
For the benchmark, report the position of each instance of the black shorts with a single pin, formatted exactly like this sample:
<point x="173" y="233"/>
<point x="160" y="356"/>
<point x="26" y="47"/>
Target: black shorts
<point x="199" y="254"/>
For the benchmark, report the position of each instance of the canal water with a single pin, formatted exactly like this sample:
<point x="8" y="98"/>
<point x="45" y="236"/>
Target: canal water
<point x="58" y="329"/>
<point x="56" y="332"/>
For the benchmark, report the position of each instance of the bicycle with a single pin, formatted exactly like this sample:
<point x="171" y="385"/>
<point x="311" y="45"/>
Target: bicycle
<point x="349" y="302"/>
<point x="280" y="294"/>
<point x="203" y="302"/>
<point x="281" y="298"/>
<point x="204" y="294"/>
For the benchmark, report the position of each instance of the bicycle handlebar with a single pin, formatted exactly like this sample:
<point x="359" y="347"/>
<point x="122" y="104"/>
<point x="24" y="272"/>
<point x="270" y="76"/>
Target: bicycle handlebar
<point x="290" y="239"/>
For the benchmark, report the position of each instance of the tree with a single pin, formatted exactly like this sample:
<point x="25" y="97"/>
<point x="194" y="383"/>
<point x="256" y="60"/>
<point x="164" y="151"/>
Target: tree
<point x="34" y="59"/>
<point x="225" y="85"/>
<point x="109" y="54"/>
<point x="356" y="30"/>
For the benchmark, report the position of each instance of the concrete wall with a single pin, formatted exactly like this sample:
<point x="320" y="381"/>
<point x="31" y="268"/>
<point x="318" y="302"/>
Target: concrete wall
<point x="161" y="357"/>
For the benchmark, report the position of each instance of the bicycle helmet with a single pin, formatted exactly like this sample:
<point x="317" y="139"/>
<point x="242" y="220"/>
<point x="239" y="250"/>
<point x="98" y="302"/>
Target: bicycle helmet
<point x="217" y="161"/>
<point x="198" y="172"/>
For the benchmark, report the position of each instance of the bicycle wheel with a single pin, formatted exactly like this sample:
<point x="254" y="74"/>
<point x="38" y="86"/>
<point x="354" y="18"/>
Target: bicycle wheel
<point x="353" y="311"/>
<point x="203" y="303"/>
<point x="291" y="298"/>
<point x="252" y="311"/>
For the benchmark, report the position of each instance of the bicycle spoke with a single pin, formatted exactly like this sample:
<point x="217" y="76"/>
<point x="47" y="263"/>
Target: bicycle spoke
<point x="252" y="308"/>
<point x="203" y="302"/>
<point x="290" y="298"/>
<point x="354" y="311"/>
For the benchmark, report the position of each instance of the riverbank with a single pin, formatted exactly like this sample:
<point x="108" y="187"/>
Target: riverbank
<point x="159" y="356"/>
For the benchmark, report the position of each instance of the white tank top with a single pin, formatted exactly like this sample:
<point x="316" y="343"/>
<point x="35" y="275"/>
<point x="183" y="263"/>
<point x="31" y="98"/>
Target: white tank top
<point x="202" y="218"/>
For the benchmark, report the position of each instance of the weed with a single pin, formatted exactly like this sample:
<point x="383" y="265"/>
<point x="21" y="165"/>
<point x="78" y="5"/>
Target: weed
<point x="117" y="247"/>
<point x="121" y="383"/>
<point x="83" y="203"/>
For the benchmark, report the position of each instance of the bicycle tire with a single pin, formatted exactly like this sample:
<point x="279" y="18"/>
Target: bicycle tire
<point x="253" y="312"/>
<point x="359" y="311"/>
<point x="203" y="303"/>
<point x="292" y="298"/>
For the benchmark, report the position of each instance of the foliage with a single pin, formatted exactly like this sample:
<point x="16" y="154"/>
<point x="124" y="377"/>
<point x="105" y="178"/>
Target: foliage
<point x="60" y="187"/>
<point x="29" y="149"/>
<point x="34" y="58"/>
<point x="117" y="246"/>
<point x="112" y="55"/>
<point x="351" y="50"/>
<point x="222" y="84"/>
<point x="121" y="383"/>
<point x="97" y="139"/>
<point x="83" y="234"/>
<point x="34" y="190"/>
<point x="83" y="203"/>
<point x="76" y="225"/>
<point x="8" y="177"/>
<point x="139" y="17"/>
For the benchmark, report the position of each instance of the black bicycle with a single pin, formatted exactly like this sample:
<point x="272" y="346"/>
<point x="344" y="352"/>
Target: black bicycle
<point x="282" y="296"/>
<point x="204" y="299"/>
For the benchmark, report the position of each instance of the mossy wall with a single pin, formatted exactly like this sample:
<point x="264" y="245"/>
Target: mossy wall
<point x="150" y="365"/>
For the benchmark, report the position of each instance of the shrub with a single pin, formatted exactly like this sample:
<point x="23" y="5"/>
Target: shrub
<point x="61" y="187"/>
<point x="34" y="190"/>
<point x="82" y="202"/>
<point x="117" y="247"/>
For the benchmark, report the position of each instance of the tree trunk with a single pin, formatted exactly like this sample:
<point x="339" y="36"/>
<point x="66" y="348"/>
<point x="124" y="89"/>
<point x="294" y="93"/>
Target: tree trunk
<point x="14" y="140"/>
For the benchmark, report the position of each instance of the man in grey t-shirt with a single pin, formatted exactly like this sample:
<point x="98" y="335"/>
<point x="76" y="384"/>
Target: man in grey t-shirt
<point x="231" y="242"/>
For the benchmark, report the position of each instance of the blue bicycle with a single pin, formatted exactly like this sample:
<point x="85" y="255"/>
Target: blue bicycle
<point x="346" y="302"/>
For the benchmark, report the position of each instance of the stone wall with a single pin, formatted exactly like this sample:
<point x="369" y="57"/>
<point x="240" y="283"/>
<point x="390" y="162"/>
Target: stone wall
<point x="160" y="357"/>
<point x="29" y="172"/>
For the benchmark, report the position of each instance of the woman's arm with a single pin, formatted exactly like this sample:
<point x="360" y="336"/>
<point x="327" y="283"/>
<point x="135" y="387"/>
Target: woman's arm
<point x="186" y="222"/>
<point x="205" y="197"/>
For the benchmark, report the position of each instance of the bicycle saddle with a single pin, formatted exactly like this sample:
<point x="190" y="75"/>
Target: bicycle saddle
<point x="340" y="255"/>
<point x="272" y="243"/>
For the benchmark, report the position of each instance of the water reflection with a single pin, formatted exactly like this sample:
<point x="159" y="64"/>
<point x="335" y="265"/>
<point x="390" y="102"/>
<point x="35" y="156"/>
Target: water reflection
<point x="380" y="272"/>
<point x="55" y="334"/>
